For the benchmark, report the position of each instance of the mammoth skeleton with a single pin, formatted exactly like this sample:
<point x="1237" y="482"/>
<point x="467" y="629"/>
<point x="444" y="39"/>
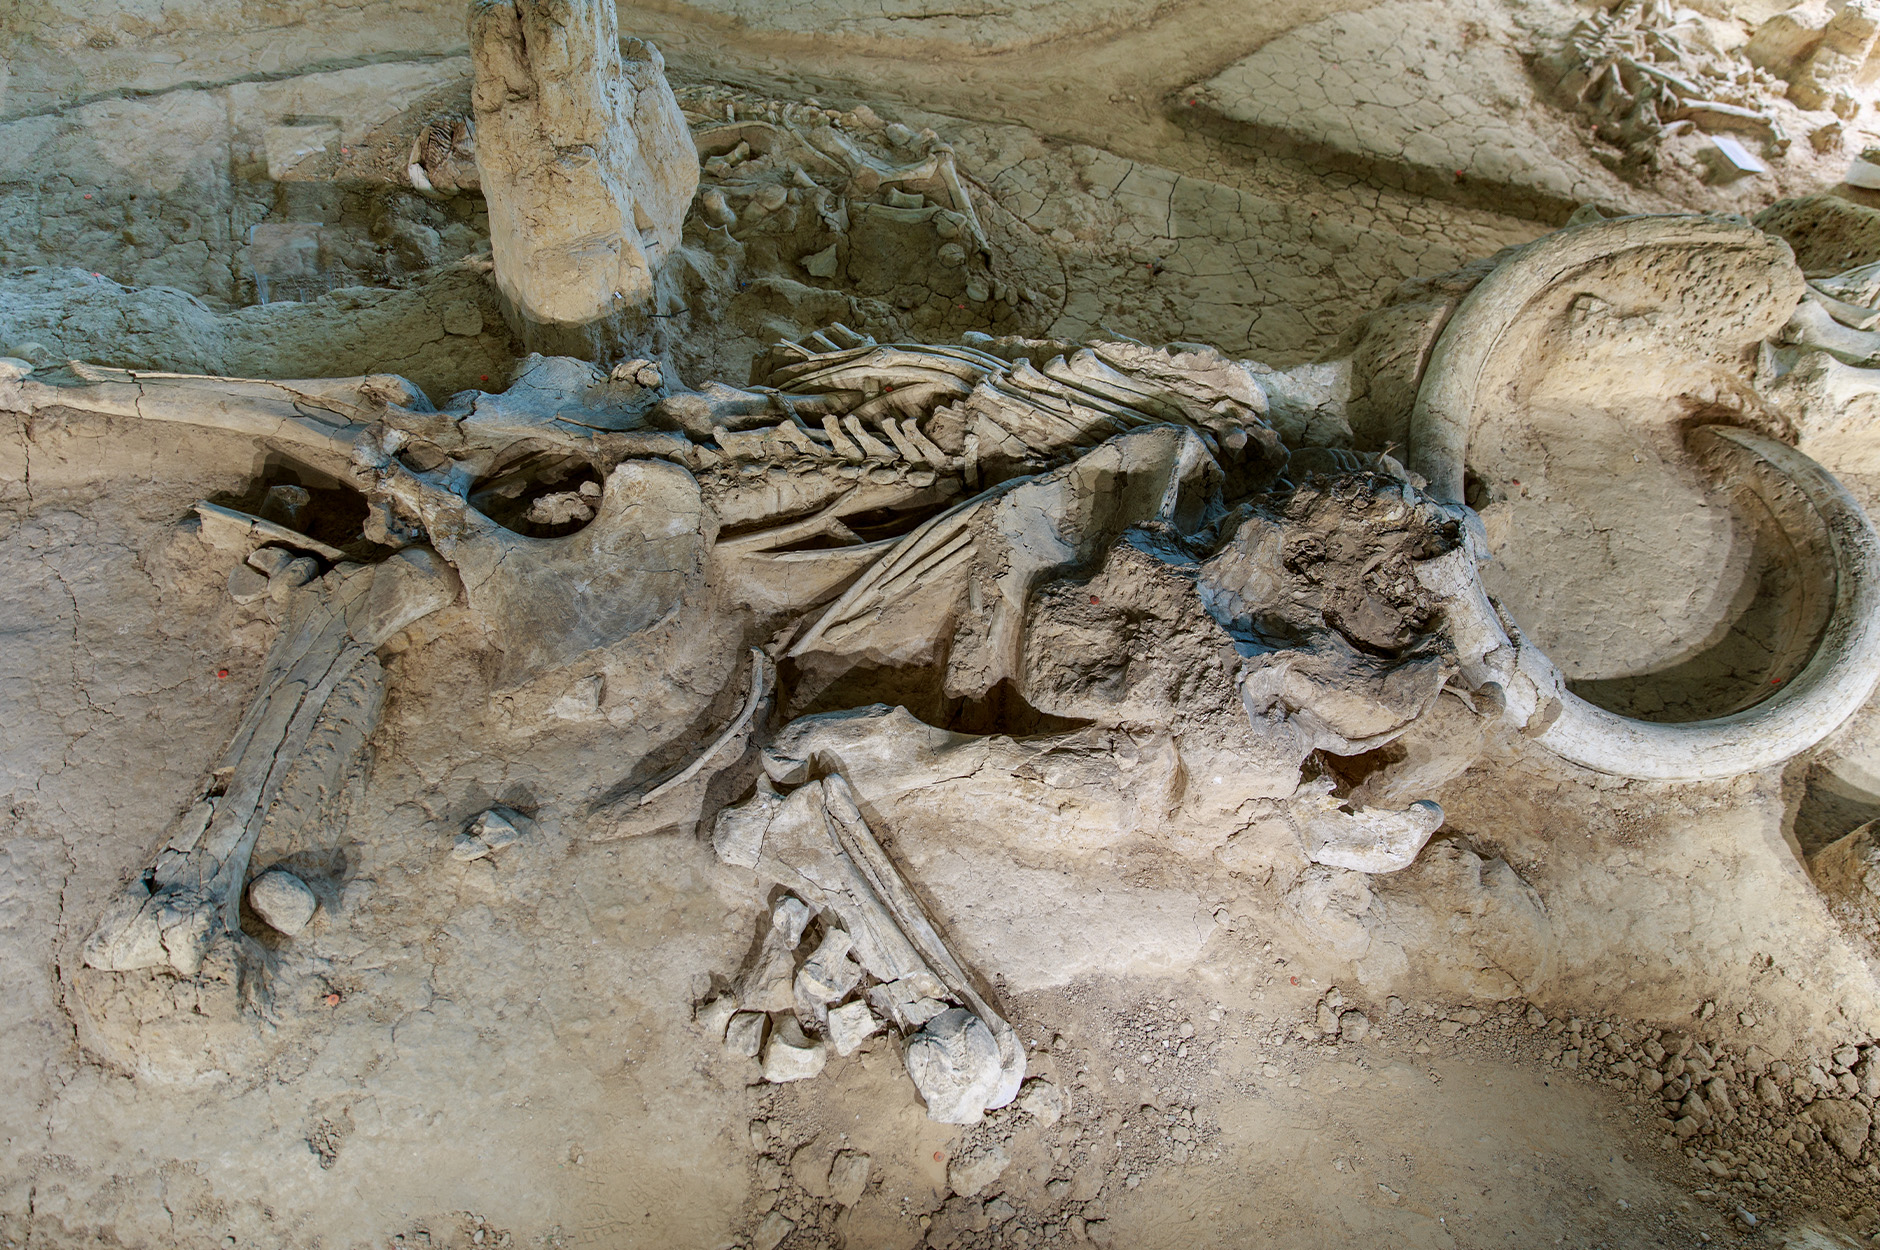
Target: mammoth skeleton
<point x="1047" y="551"/>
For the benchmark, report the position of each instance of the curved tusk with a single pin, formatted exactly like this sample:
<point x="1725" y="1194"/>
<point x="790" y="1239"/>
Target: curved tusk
<point x="1838" y="678"/>
<point x="1449" y="396"/>
<point x="1844" y="665"/>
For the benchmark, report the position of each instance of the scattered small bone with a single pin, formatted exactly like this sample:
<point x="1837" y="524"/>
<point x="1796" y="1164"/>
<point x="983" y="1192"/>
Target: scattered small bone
<point x="490" y="831"/>
<point x="790" y="918"/>
<point x="970" y="1173"/>
<point x="1042" y="1101"/>
<point x="283" y="900"/>
<point x="271" y="561"/>
<point x="297" y="574"/>
<point x="467" y="848"/>
<point x="560" y="508"/>
<point x="850" y="1025"/>
<point x="714" y="208"/>
<point x="640" y="372"/>
<point x="954" y="1062"/>
<point x="714" y="1016"/>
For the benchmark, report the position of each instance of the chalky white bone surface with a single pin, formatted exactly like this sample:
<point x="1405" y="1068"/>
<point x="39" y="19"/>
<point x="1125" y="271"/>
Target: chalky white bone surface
<point x="1846" y="662"/>
<point x="322" y="664"/>
<point x="583" y="156"/>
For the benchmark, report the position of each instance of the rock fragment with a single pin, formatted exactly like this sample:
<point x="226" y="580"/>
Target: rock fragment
<point x="970" y="1173"/>
<point x="283" y="900"/>
<point x="771" y="1231"/>
<point x="954" y="1062"/>
<point x="1042" y="1101"/>
<point x="848" y="1177"/>
<point x="851" y="1025"/>
<point x="1846" y="1125"/>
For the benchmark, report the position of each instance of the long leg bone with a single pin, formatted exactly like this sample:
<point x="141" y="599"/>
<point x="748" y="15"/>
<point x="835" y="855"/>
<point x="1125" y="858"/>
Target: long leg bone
<point x="322" y="664"/>
<point x="817" y="843"/>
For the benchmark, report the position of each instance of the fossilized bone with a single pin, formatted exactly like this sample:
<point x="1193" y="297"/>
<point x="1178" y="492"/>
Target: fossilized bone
<point x="1845" y="665"/>
<point x="816" y="842"/>
<point x="321" y="666"/>
<point x="739" y="727"/>
<point x="550" y="600"/>
<point x="583" y="157"/>
<point x="1628" y="70"/>
<point x="322" y="415"/>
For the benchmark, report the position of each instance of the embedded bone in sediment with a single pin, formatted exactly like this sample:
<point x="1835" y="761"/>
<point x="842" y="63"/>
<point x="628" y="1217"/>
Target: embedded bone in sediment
<point x="760" y="685"/>
<point x="550" y="600"/>
<point x="871" y="447"/>
<point x="584" y="157"/>
<point x="1340" y="834"/>
<point x="443" y="157"/>
<point x="1854" y="316"/>
<point x="930" y="553"/>
<point x="317" y="415"/>
<point x="816" y="842"/>
<point x="1815" y="325"/>
<point x="1858" y="287"/>
<point x="228" y="527"/>
<point x="1019" y="414"/>
<point x="322" y="667"/>
<point x="1835" y="408"/>
<point x="1469" y="365"/>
